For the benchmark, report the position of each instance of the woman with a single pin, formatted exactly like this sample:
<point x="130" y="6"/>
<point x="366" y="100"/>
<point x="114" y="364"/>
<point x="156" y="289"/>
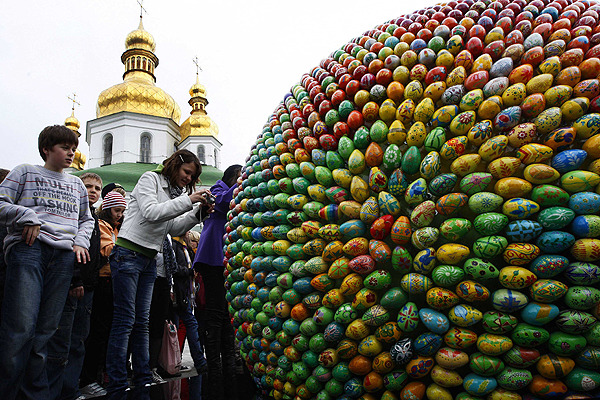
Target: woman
<point x="110" y="216"/>
<point x="215" y="317"/>
<point x="162" y="202"/>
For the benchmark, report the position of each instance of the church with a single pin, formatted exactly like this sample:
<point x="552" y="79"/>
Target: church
<point x="137" y="123"/>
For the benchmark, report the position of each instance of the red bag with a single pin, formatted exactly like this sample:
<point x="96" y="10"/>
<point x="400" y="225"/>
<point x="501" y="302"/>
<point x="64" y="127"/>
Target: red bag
<point x="170" y="355"/>
<point x="200" y="299"/>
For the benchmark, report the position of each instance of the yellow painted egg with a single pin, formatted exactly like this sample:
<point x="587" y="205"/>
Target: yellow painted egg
<point x="444" y="115"/>
<point x="357" y="330"/>
<point x="472" y="100"/>
<point x="465" y="164"/>
<point x="550" y="65"/>
<point x="540" y="173"/>
<point x="511" y="187"/>
<point x="514" y="95"/>
<point x="417" y="133"/>
<point x="463" y="122"/>
<point x="356" y="247"/>
<point x="464" y="315"/>
<point x="441" y="298"/>
<point x="351" y="284"/>
<point x="557" y="95"/>
<point x="457" y="76"/>
<point x="333" y="251"/>
<point x="424" y="111"/>
<point x="493" y="148"/>
<point x="587" y="126"/>
<point x="493" y="345"/>
<point x="574" y="108"/>
<point x="430" y="166"/>
<point x="350" y="209"/>
<point x="435" y="90"/>
<point x="359" y="189"/>
<point x="522" y="134"/>
<point x="317" y="192"/>
<point x="504" y="167"/>
<point x="592" y="146"/>
<point x="490" y="107"/>
<point x="454" y="148"/>
<point x="480" y="132"/>
<point x="342" y="177"/>
<point x="311" y="228"/>
<point x="413" y="91"/>
<point x="520" y="253"/>
<point x="595" y="166"/>
<point x="548" y="120"/>
<point x="452" y="253"/>
<point x="534" y="153"/>
<point x="396" y="133"/>
<point x="520" y="208"/>
<point x="516" y="277"/>
<point x="587" y="250"/>
<point x="561" y="138"/>
<point x="539" y="83"/>
<point x="472" y="291"/>
<point x="483" y="62"/>
<point x="445" y="378"/>
<point x="579" y="181"/>
<point x="404" y="113"/>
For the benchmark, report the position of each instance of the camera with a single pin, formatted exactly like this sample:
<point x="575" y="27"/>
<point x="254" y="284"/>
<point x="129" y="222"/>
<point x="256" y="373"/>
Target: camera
<point x="210" y="199"/>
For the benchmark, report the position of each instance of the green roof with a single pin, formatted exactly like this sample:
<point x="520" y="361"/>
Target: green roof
<point x="127" y="174"/>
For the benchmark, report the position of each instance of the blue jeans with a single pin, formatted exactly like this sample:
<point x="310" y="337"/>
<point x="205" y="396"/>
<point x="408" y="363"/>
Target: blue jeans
<point x="37" y="283"/>
<point x="66" y="349"/>
<point x="133" y="276"/>
<point x="191" y="332"/>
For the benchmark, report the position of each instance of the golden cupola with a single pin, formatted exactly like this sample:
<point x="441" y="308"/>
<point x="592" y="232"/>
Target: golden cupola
<point x="138" y="92"/>
<point x="198" y="123"/>
<point x="79" y="159"/>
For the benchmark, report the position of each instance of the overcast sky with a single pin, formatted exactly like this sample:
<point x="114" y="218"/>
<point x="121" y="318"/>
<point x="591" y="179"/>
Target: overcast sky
<point x="251" y="53"/>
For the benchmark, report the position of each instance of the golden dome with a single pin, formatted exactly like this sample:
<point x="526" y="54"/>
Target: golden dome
<point x="73" y="123"/>
<point x="199" y="123"/>
<point x="138" y="92"/>
<point x="140" y="39"/>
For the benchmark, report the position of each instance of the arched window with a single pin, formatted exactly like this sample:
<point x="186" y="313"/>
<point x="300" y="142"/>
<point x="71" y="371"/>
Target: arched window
<point x="216" y="158"/>
<point x="201" y="155"/>
<point x="107" y="146"/>
<point x="145" y="147"/>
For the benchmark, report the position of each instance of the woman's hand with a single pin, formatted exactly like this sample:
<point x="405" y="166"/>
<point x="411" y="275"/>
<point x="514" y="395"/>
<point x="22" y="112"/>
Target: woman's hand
<point x="200" y="197"/>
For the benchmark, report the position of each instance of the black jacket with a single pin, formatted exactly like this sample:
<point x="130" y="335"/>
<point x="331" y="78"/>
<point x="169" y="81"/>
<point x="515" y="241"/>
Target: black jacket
<point x="86" y="275"/>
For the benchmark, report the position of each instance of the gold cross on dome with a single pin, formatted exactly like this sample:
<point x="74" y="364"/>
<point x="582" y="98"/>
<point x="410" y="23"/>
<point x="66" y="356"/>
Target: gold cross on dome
<point x="74" y="101"/>
<point x="142" y="9"/>
<point x="198" y="67"/>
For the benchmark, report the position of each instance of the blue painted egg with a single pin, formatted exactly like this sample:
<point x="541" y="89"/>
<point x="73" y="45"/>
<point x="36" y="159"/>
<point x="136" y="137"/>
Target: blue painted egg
<point x="397" y="183"/>
<point x="353" y="228"/>
<point x="548" y="265"/>
<point x="302" y="285"/>
<point x="523" y="230"/>
<point x="427" y="344"/>
<point x="433" y="320"/>
<point x="334" y="332"/>
<point x="509" y="301"/>
<point x="568" y="160"/>
<point x="555" y="241"/>
<point x="586" y="226"/>
<point x="478" y="385"/>
<point x="585" y="203"/>
<point x="539" y="314"/>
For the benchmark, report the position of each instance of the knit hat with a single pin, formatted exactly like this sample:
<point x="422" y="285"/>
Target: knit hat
<point x="113" y="199"/>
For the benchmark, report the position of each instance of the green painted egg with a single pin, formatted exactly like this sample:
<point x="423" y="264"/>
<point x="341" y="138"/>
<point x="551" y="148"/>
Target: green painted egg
<point x="392" y="157"/>
<point x="548" y="195"/>
<point x="529" y="336"/>
<point x="475" y="182"/>
<point x="484" y="202"/>
<point x="430" y="166"/>
<point x="514" y="378"/>
<point x="411" y="160"/>
<point x="454" y="229"/>
<point x="579" y="181"/>
<point x="490" y="223"/>
<point x="485" y="365"/>
<point x="480" y="270"/>
<point x="388" y="204"/>
<point x="489" y="246"/>
<point x="574" y="321"/>
<point x="345" y="147"/>
<point x="408" y="317"/>
<point x="378" y="280"/>
<point x="394" y="298"/>
<point x="498" y="322"/>
<point x="375" y="316"/>
<point x="584" y="380"/>
<point x="447" y="275"/>
<point x="556" y="218"/>
<point x="435" y="139"/>
<point x="582" y="297"/>
<point x="566" y="344"/>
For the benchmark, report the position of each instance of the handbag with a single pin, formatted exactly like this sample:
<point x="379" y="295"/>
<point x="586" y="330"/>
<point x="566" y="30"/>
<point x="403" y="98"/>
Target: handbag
<point x="170" y="355"/>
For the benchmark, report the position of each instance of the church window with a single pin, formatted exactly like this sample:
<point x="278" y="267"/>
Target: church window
<point x="144" y="63"/>
<point x="216" y="158"/>
<point x="137" y="62"/>
<point x="201" y="155"/>
<point x="107" y="149"/>
<point x="145" y="148"/>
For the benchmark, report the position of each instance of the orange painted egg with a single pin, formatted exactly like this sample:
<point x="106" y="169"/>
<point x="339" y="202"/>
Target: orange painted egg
<point x="533" y="105"/>
<point x="465" y="164"/>
<point x="512" y="187"/>
<point x="540" y="173"/>
<point x="504" y="167"/>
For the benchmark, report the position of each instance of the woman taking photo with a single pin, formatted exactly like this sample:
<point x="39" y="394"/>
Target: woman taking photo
<point x="163" y="202"/>
<point x="220" y="352"/>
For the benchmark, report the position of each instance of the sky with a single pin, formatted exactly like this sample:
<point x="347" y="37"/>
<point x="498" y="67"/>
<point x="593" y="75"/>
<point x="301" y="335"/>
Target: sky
<point x="251" y="54"/>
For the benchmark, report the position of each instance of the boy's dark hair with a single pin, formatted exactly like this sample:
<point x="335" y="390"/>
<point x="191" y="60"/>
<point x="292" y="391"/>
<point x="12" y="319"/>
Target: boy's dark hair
<point x="172" y="164"/>
<point x="230" y="174"/>
<point x="3" y="173"/>
<point x="53" y="135"/>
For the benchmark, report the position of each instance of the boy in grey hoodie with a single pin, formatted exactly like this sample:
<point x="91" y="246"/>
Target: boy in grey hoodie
<point x="46" y="213"/>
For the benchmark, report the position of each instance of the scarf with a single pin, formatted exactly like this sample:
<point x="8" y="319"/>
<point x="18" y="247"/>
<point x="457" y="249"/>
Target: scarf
<point x="169" y="260"/>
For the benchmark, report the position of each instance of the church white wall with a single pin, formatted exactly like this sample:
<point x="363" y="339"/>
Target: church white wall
<point x="210" y="143"/>
<point x="126" y="129"/>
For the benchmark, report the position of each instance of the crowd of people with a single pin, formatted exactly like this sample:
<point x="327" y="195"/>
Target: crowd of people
<point x="89" y="296"/>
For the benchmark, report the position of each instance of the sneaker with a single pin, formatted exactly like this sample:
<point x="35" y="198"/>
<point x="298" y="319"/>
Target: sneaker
<point x="82" y="397"/>
<point x="185" y="368"/>
<point x="93" y="390"/>
<point x="156" y="378"/>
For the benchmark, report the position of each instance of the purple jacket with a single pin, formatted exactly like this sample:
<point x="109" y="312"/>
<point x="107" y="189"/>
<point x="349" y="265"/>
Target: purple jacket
<point x="210" y="246"/>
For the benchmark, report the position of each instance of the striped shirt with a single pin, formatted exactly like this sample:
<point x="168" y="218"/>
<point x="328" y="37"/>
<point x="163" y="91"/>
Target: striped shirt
<point x="34" y="195"/>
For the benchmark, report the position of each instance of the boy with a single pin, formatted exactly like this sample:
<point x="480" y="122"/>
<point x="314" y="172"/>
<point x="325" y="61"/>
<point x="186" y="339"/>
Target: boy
<point x="66" y="349"/>
<point x="48" y="221"/>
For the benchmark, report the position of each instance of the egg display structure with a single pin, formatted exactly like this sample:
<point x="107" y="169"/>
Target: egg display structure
<point x="420" y="216"/>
